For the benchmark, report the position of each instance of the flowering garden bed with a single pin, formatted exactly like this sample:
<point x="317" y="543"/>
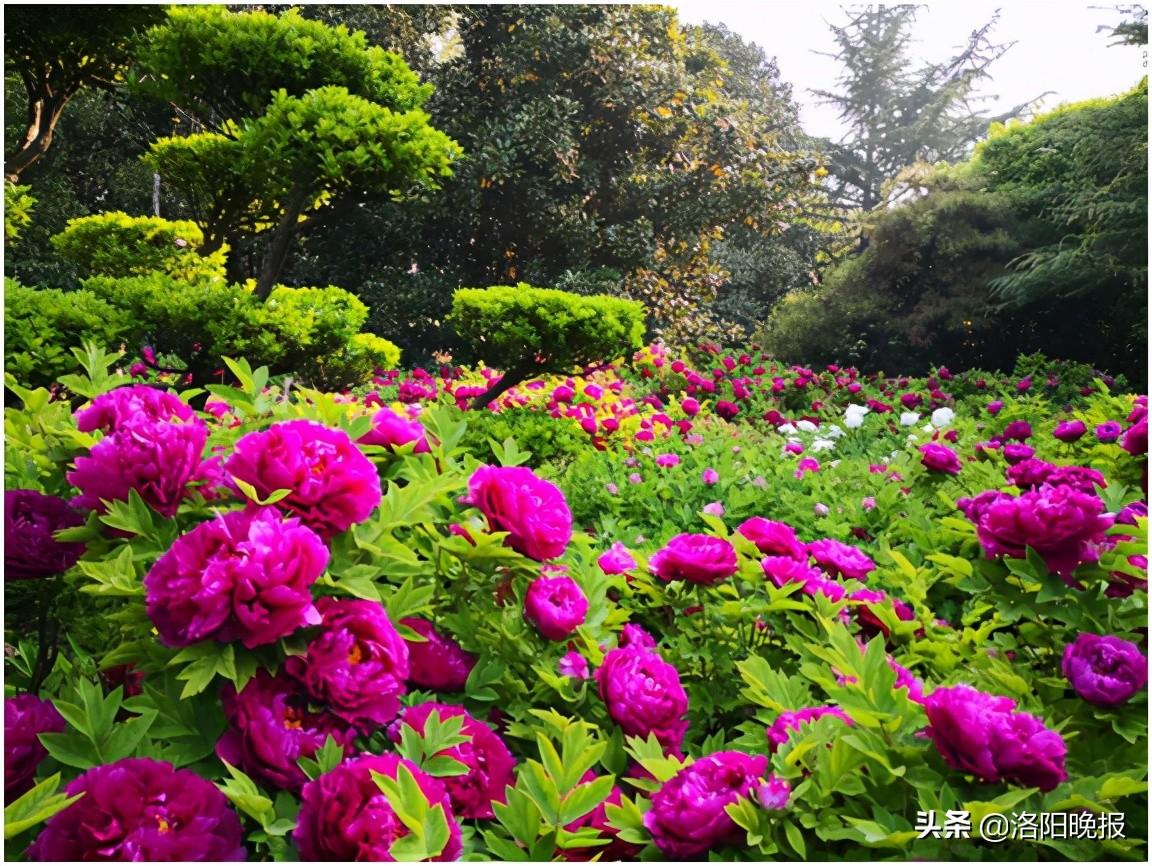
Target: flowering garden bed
<point x="677" y="609"/>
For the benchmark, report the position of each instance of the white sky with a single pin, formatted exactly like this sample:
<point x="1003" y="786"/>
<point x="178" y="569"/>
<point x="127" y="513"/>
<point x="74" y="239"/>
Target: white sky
<point x="1057" y="47"/>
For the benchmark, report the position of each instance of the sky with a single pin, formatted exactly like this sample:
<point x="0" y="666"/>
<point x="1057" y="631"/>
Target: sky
<point x="1057" y="47"/>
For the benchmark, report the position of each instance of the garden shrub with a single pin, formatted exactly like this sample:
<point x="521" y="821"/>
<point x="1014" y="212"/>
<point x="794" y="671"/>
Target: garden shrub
<point x="18" y="206"/>
<point x="117" y="245"/>
<point x="546" y="441"/>
<point x="527" y="331"/>
<point x="41" y="326"/>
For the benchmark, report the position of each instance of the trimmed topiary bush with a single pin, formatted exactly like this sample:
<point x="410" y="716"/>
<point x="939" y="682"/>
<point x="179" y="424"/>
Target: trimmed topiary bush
<point x="527" y="331"/>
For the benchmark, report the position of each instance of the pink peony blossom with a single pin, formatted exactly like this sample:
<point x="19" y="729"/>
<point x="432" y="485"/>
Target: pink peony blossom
<point x="531" y="510"/>
<point x="556" y="606"/>
<point x="697" y="558"/>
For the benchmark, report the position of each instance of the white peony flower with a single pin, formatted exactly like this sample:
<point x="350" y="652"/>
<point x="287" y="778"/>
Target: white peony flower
<point x="806" y="426"/>
<point x="854" y="416"/>
<point x="823" y="444"/>
<point x="833" y="432"/>
<point x="907" y="419"/>
<point x="787" y="429"/>
<point x="943" y="417"/>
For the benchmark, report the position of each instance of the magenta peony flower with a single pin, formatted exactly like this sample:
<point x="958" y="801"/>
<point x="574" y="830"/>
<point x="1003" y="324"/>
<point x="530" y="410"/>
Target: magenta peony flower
<point x="1062" y="524"/>
<point x="393" y="431"/>
<point x="490" y="764"/>
<point x="345" y="816"/>
<point x="700" y="559"/>
<point x="983" y="735"/>
<point x="531" y="510"/>
<point x="1108" y="432"/>
<point x="131" y="405"/>
<point x="616" y="560"/>
<point x="1105" y="670"/>
<point x="1020" y="430"/>
<point x="773" y="538"/>
<point x="643" y="694"/>
<point x="437" y="663"/>
<point x="1070" y="431"/>
<point x="1017" y="452"/>
<point x="841" y="560"/>
<point x="357" y="665"/>
<point x="995" y="406"/>
<point x="30" y="550"/>
<point x="244" y="576"/>
<point x="556" y="606"/>
<point x="25" y="718"/>
<point x="709" y="477"/>
<point x="774" y="794"/>
<point x="666" y="461"/>
<point x="333" y="484"/>
<point x="793" y="720"/>
<point x="691" y="406"/>
<point x="940" y="458"/>
<point x="1135" y="440"/>
<point x="634" y="635"/>
<point x="142" y="809"/>
<point x="688" y="817"/>
<point x="157" y="459"/>
<point x="574" y="666"/>
<point x="270" y="728"/>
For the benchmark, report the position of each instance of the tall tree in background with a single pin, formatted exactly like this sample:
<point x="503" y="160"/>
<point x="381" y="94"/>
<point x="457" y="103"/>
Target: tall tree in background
<point x="899" y="113"/>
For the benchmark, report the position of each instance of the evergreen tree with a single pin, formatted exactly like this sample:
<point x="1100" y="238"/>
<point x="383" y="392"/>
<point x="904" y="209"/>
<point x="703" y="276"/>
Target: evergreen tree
<point x="899" y="113"/>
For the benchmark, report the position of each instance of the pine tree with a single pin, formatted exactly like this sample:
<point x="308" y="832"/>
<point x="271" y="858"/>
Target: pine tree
<point x="899" y="113"/>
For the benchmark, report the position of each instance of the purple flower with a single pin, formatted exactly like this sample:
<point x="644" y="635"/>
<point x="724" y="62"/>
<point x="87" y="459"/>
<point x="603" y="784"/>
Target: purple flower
<point x="688" y="817"/>
<point x="710" y="476"/>
<point x="1070" y="431"/>
<point x="774" y="794"/>
<point x="841" y="560"/>
<point x="940" y="458"/>
<point x="556" y="606"/>
<point x="1105" y="670"/>
<point x="393" y="431"/>
<point x="983" y="735"/>
<point x="437" y="663"/>
<point x="1136" y="438"/>
<point x="357" y="665"/>
<point x="531" y="510"/>
<point x="1020" y="430"/>
<point x="25" y="718"/>
<point x="333" y="485"/>
<point x="574" y="666"/>
<point x="995" y="406"/>
<point x="130" y="405"/>
<point x="271" y="727"/>
<point x="142" y="809"/>
<point x="773" y="538"/>
<point x="1063" y="525"/>
<point x="634" y="635"/>
<point x="246" y="575"/>
<point x="793" y="720"/>
<point x="1108" y="432"/>
<point x="643" y="694"/>
<point x="695" y="558"/>
<point x="345" y="816"/>
<point x="489" y="764"/>
<point x="667" y="461"/>
<point x="30" y="550"/>
<point x="616" y="560"/>
<point x="1017" y="452"/>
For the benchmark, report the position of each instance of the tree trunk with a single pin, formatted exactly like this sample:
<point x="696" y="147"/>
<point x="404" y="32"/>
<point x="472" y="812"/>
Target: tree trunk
<point x="281" y="242"/>
<point x="43" y="114"/>
<point x="508" y="381"/>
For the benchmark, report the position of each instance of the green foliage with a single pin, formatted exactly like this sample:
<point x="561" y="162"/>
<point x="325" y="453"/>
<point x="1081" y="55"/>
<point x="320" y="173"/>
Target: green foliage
<point x="522" y="329"/>
<point x="224" y="66"/>
<point x="114" y="244"/>
<point x="545" y="441"/>
<point x="1038" y="244"/>
<point x="41" y="326"/>
<point x="18" y="206"/>
<point x="330" y="140"/>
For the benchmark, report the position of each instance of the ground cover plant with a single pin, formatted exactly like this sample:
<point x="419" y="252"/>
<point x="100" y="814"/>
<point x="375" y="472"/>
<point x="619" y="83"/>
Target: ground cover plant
<point x="378" y="625"/>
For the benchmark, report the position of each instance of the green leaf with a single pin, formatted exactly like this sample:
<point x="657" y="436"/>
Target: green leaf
<point x="35" y="806"/>
<point x="584" y="798"/>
